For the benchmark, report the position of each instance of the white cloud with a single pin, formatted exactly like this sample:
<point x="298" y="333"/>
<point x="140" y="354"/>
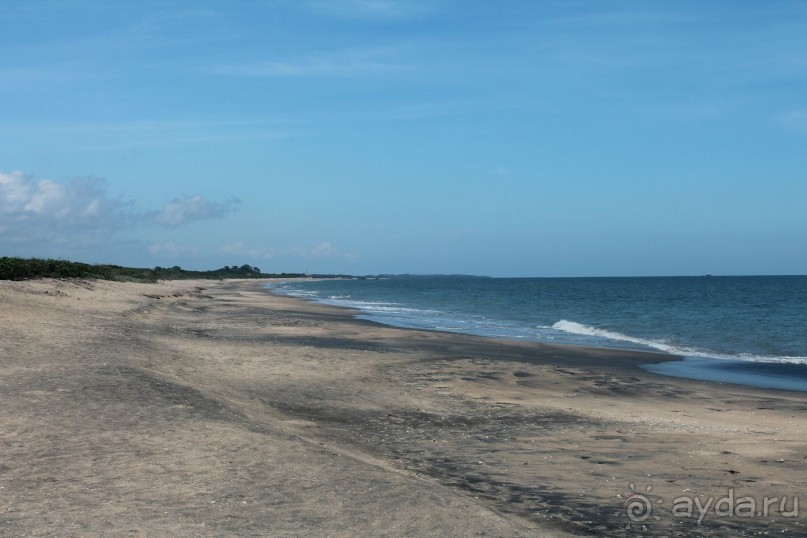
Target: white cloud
<point x="44" y="210"/>
<point x="43" y="213"/>
<point x="191" y="208"/>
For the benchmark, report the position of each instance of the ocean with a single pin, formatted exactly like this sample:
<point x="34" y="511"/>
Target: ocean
<point x="748" y="330"/>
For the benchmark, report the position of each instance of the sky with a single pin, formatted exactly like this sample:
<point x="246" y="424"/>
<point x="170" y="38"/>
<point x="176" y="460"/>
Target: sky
<point x="512" y="138"/>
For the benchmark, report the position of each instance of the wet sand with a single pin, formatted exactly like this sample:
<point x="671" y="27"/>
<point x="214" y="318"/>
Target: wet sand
<point x="215" y="409"/>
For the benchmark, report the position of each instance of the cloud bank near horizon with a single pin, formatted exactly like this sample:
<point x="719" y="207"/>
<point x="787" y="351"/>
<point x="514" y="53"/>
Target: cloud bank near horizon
<point x="50" y="219"/>
<point x="82" y="212"/>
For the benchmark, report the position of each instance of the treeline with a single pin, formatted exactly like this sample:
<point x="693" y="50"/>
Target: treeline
<point x="29" y="268"/>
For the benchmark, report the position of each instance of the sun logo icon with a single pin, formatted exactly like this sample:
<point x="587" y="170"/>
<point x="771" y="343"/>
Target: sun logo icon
<point x="638" y="506"/>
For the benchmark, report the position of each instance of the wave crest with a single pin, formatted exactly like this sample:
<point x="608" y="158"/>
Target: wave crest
<point x="587" y="330"/>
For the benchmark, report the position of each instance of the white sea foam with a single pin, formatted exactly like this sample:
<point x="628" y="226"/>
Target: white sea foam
<point x="297" y="293"/>
<point x="587" y="330"/>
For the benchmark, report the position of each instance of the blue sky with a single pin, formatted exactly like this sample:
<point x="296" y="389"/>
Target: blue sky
<point x="363" y="136"/>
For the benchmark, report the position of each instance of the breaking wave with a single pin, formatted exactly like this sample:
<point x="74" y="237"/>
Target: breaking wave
<point x="573" y="327"/>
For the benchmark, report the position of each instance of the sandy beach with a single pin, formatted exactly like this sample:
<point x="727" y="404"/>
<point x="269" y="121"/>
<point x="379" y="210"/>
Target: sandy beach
<point x="212" y="408"/>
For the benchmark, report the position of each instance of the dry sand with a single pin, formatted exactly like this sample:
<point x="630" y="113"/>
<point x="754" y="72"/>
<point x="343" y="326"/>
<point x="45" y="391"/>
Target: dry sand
<point x="215" y="409"/>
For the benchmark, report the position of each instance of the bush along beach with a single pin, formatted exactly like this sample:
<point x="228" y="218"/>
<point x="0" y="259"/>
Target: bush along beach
<point x="12" y="268"/>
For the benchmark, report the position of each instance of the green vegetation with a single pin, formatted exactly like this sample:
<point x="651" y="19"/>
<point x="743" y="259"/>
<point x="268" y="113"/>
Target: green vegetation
<point x="28" y="268"/>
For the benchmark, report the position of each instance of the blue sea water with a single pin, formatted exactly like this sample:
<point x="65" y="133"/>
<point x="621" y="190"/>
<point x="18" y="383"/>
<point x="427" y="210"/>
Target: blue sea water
<point x="750" y="330"/>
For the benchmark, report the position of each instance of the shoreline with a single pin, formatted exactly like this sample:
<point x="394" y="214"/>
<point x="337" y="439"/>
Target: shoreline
<point x="758" y="374"/>
<point x="218" y="408"/>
